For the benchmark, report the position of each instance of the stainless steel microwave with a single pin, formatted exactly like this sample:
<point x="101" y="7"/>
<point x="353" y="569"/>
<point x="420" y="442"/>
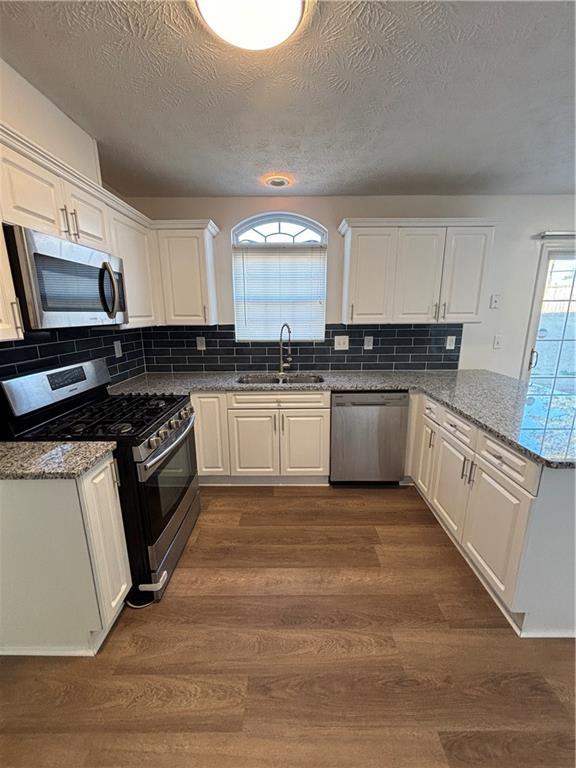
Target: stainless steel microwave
<point x="60" y="284"/>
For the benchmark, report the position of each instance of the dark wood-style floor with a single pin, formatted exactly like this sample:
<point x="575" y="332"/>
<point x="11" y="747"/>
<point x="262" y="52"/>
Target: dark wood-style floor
<point x="303" y="628"/>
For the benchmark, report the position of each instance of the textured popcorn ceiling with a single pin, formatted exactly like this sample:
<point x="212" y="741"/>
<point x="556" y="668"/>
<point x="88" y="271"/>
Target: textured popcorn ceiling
<point x="366" y="98"/>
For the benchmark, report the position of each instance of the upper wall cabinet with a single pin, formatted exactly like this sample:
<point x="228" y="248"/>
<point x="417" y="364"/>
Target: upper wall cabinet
<point x="369" y="275"/>
<point x="187" y="267"/>
<point x="136" y="246"/>
<point x="87" y="218"/>
<point x="414" y="273"/>
<point x="31" y="195"/>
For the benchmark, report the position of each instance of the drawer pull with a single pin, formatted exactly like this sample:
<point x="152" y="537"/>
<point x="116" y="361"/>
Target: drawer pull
<point x="452" y="425"/>
<point x="472" y="473"/>
<point x="497" y="456"/>
<point x="463" y="473"/>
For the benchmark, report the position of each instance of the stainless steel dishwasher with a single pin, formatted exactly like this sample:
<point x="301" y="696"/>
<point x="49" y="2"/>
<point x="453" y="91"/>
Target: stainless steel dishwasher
<point x="368" y="436"/>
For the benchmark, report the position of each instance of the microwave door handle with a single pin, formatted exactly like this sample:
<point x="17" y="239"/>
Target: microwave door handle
<point x="116" y="301"/>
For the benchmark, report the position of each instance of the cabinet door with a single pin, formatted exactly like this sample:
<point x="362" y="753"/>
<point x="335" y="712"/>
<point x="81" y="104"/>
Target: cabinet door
<point x="106" y="539"/>
<point x="10" y="319"/>
<point x="305" y="441"/>
<point x="254" y="442"/>
<point x="464" y="264"/>
<point x="31" y="196"/>
<point x="418" y="274"/>
<point x="89" y="218"/>
<point x="211" y="433"/>
<point x="136" y="247"/>
<point x="449" y="487"/>
<point x="495" y="527"/>
<point x="425" y="457"/>
<point x="372" y="271"/>
<point x="183" y="277"/>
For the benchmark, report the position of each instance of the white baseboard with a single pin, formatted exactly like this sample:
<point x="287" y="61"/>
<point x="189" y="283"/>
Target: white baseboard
<point x="214" y="480"/>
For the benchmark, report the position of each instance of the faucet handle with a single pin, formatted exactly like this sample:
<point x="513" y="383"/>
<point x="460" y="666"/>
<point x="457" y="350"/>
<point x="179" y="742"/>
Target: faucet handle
<point x="286" y="366"/>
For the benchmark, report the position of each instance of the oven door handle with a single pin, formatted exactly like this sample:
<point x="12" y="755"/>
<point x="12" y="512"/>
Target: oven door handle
<point x="116" y="301"/>
<point x="151" y="464"/>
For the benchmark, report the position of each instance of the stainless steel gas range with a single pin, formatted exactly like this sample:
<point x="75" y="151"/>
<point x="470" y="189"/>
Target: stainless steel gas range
<point x="155" y="455"/>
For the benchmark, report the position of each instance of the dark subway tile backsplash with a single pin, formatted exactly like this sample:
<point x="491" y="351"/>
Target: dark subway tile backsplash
<point x="396" y="347"/>
<point x="42" y="350"/>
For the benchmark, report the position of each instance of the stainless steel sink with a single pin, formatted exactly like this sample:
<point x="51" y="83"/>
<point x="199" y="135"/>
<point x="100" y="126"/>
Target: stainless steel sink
<point x="259" y="378"/>
<point x="286" y="378"/>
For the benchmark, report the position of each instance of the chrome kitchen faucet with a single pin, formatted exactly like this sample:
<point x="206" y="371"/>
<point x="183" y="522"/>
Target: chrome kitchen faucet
<point x="285" y="365"/>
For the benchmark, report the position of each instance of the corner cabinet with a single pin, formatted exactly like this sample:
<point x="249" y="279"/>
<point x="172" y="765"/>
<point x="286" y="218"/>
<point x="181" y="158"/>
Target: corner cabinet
<point x="64" y="577"/>
<point x="413" y="272"/>
<point x="211" y="433"/>
<point x="187" y="268"/>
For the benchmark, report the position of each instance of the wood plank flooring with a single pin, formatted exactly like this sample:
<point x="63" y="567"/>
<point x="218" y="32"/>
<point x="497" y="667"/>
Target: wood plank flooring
<point x="303" y="628"/>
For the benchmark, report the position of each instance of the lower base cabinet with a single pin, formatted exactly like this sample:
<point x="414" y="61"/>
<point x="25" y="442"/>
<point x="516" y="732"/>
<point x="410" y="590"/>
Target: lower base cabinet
<point x="254" y="442"/>
<point x="449" y="484"/>
<point x="64" y="577"/>
<point x="305" y="442"/>
<point x="211" y="432"/>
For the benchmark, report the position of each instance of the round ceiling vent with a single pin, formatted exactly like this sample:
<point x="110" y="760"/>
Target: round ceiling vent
<point x="277" y="180"/>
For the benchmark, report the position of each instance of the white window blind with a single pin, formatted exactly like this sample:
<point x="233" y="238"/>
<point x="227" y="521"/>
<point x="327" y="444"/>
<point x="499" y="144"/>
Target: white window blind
<point x="279" y="285"/>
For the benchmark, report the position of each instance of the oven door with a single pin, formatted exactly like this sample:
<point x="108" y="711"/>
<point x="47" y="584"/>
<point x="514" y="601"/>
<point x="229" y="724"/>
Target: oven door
<point x="66" y="284"/>
<point x="168" y="487"/>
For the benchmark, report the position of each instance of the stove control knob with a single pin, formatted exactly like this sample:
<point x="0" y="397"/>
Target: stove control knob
<point x="154" y="442"/>
<point x="184" y="413"/>
<point x="163" y="434"/>
<point x="175" y="423"/>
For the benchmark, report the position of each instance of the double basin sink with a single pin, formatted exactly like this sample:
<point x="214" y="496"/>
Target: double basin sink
<point x="277" y="378"/>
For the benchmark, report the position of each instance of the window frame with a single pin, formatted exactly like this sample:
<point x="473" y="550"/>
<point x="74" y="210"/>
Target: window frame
<point x="279" y="216"/>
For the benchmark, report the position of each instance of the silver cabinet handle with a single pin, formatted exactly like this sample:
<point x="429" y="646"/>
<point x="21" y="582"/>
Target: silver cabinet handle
<point x="431" y="439"/>
<point x="352" y="311"/>
<point x="436" y="310"/>
<point x="74" y="220"/>
<point x="66" y="220"/>
<point x="16" y="314"/>
<point x="444" y="311"/>
<point x="497" y="456"/>
<point x="464" y="463"/>
<point x="452" y="425"/>
<point x="204" y="313"/>
<point x="472" y="473"/>
<point x="283" y="415"/>
<point x="275" y="427"/>
<point x="155" y="586"/>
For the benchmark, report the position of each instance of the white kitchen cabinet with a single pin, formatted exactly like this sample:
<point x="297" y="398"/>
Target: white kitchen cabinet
<point x="418" y="274"/>
<point x="305" y="441"/>
<point x="136" y="246"/>
<point x="211" y="433"/>
<point x="495" y="527"/>
<point x="254" y="442"/>
<point x="106" y="539"/>
<point x="464" y="265"/>
<point x="10" y="318"/>
<point x="370" y="266"/>
<point x="65" y="575"/>
<point x="449" y="487"/>
<point x="187" y="267"/>
<point x="88" y="218"/>
<point x="31" y="195"/>
<point x="425" y="456"/>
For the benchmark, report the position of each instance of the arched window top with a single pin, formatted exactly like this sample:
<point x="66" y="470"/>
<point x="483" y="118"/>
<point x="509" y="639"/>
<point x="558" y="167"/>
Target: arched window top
<point x="274" y="229"/>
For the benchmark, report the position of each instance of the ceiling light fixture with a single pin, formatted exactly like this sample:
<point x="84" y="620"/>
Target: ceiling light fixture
<point x="252" y="24"/>
<point x="277" y="180"/>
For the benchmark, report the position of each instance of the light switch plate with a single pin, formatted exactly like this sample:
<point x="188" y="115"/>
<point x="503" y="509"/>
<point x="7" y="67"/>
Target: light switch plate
<point x="201" y="342"/>
<point x="368" y="342"/>
<point x="340" y="342"/>
<point x="495" y="301"/>
<point x="498" y="342"/>
<point x="118" y="348"/>
<point x="450" y="342"/>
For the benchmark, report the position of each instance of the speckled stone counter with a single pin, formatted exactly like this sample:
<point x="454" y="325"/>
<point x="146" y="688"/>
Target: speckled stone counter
<point x="50" y="461"/>
<point x="540" y="427"/>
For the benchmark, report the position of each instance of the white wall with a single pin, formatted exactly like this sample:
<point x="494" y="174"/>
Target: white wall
<point x="27" y="111"/>
<point x="511" y="271"/>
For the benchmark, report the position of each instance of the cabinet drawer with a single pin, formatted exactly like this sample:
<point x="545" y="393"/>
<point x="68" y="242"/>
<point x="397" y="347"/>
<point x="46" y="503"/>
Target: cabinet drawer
<point x="278" y="399"/>
<point x="463" y="431"/>
<point x="433" y="410"/>
<point x="515" y="466"/>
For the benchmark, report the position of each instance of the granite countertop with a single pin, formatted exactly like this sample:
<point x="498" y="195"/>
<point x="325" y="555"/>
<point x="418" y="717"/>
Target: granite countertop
<point x="50" y="461"/>
<point x="539" y="425"/>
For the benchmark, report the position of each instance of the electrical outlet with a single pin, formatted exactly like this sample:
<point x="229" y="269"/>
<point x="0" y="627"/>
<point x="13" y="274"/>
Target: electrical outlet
<point x="118" y="348"/>
<point x="341" y="342"/>
<point x="450" y="342"/>
<point x="368" y="342"/>
<point x="498" y="342"/>
<point x="495" y="301"/>
<point x="201" y="343"/>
